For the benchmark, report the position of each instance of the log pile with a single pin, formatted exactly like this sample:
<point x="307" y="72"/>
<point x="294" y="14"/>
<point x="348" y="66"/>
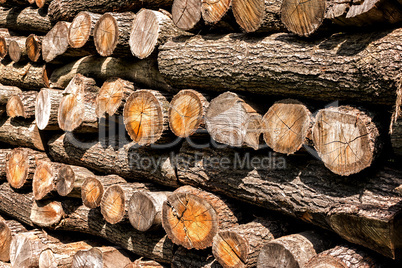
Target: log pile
<point x="200" y="134"/>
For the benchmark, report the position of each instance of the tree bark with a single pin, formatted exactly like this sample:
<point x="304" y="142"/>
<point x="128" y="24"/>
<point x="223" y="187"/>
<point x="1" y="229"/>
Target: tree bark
<point x="3" y="159"/>
<point x="112" y="97"/>
<point x="70" y="180"/>
<point x="149" y="129"/>
<point x="61" y="254"/>
<point x="45" y="179"/>
<point x="194" y="259"/>
<point x="286" y="126"/>
<point x="186" y="14"/>
<point x="22" y="133"/>
<point x="17" y="49"/>
<point x="192" y="217"/>
<point x="81" y="31"/>
<point x="296" y="187"/>
<point x="232" y="121"/>
<point x="20" y="166"/>
<point x="46" y="108"/>
<point x="302" y="18"/>
<point x="67" y="9"/>
<point x="6" y="92"/>
<point x="77" y="106"/>
<point x="33" y="46"/>
<point x="343" y="257"/>
<point x="396" y="132"/>
<point x="258" y="15"/>
<point x="17" y="19"/>
<point x="150" y="29"/>
<point x="8" y="229"/>
<point x="118" y="157"/>
<point x="112" y="34"/>
<point x="153" y="245"/>
<point x="22" y="104"/>
<point x="143" y="72"/>
<point x="295" y="250"/>
<point x="362" y="69"/>
<point x="92" y="189"/>
<point x="186" y="113"/>
<point x="100" y="257"/>
<point x="346" y="139"/>
<point x="30" y="76"/>
<point x="145" y="210"/>
<point x="240" y="245"/>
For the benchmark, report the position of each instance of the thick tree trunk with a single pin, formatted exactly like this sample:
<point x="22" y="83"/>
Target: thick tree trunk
<point x="145" y="209"/>
<point x="240" y="245"/>
<point x="232" y="121"/>
<point x="304" y="189"/>
<point x="33" y="46"/>
<point x="186" y="113"/>
<point x="186" y="14"/>
<point x="346" y="139"/>
<point x="295" y="250"/>
<point x="45" y="179"/>
<point x="17" y="19"/>
<point x="144" y="72"/>
<point x="153" y="245"/>
<point x="6" y="92"/>
<point x="17" y="49"/>
<point x="21" y="133"/>
<point x="150" y="29"/>
<point x="8" y="229"/>
<point x="77" y="106"/>
<point x="100" y="257"/>
<point x="68" y="9"/>
<point x="149" y="129"/>
<point x="70" y="180"/>
<point x="92" y="188"/>
<point x="20" y="166"/>
<point x="61" y="254"/>
<point x="3" y="160"/>
<point x="112" y="34"/>
<point x="22" y="104"/>
<point x="362" y="69"/>
<point x="112" y="97"/>
<point x="286" y="126"/>
<point x="302" y="18"/>
<point x="29" y="76"/>
<point x="46" y="213"/>
<point x="47" y="107"/>
<point x="343" y="257"/>
<point x="118" y="157"/>
<point x="194" y="259"/>
<point x="81" y="31"/>
<point x="192" y="217"/>
<point x="258" y="15"/>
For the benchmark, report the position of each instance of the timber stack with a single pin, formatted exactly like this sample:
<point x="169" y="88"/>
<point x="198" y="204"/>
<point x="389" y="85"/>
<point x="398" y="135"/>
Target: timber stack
<point x="200" y="133"/>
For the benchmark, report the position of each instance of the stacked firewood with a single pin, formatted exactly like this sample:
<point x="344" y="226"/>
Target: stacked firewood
<point x="189" y="133"/>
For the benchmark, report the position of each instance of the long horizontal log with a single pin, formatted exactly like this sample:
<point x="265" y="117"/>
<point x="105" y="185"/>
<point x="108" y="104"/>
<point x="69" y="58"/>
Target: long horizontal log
<point x="29" y="76"/>
<point x="115" y="155"/>
<point x="304" y="189"/>
<point x="22" y="133"/>
<point x="32" y="19"/>
<point x="355" y="67"/>
<point x="68" y="9"/>
<point x="143" y="72"/>
<point x="153" y="245"/>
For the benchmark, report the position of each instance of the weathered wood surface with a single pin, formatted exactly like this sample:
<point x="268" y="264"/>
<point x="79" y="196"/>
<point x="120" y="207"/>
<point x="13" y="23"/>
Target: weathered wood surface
<point x="81" y="30"/>
<point x="18" y="19"/>
<point x="396" y="125"/>
<point x="33" y="46"/>
<point x="30" y="76"/>
<point x="143" y="72"/>
<point x="100" y="257"/>
<point x="45" y="179"/>
<point x="17" y="49"/>
<point x="354" y="67"/>
<point x="22" y="105"/>
<point x="22" y="133"/>
<point x="3" y="159"/>
<point x="305" y="189"/>
<point x="6" y="92"/>
<point x="47" y="107"/>
<point x="186" y="15"/>
<point x="115" y="155"/>
<point x="8" y="229"/>
<point x="68" y="9"/>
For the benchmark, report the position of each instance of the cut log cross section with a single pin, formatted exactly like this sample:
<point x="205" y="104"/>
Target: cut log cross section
<point x="8" y="229"/>
<point x="71" y="179"/>
<point x="186" y="14"/>
<point x="192" y="217"/>
<point x="286" y="125"/>
<point x="100" y="257"/>
<point x="33" y="46"/>
<point x="82" y="29"/>
<point x="214" y="10"/>
<point x="45" y="179"/>
<point x="55" y="42"/>
<point x="346" y="139"/>
<point x="146" y="116"/>
<point x="186" y="112"/>
<point x="46" y="213"/>
<point x="46" y="108"/>
<point x="22" y="104"/>
<point x="17" y="49"/>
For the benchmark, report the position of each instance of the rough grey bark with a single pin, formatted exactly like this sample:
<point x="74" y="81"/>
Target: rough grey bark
<point x="363" y="209"/>
<point x="30" y="76"/>
<point x="18" y="19"/>
<point x="354" y="67"/>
